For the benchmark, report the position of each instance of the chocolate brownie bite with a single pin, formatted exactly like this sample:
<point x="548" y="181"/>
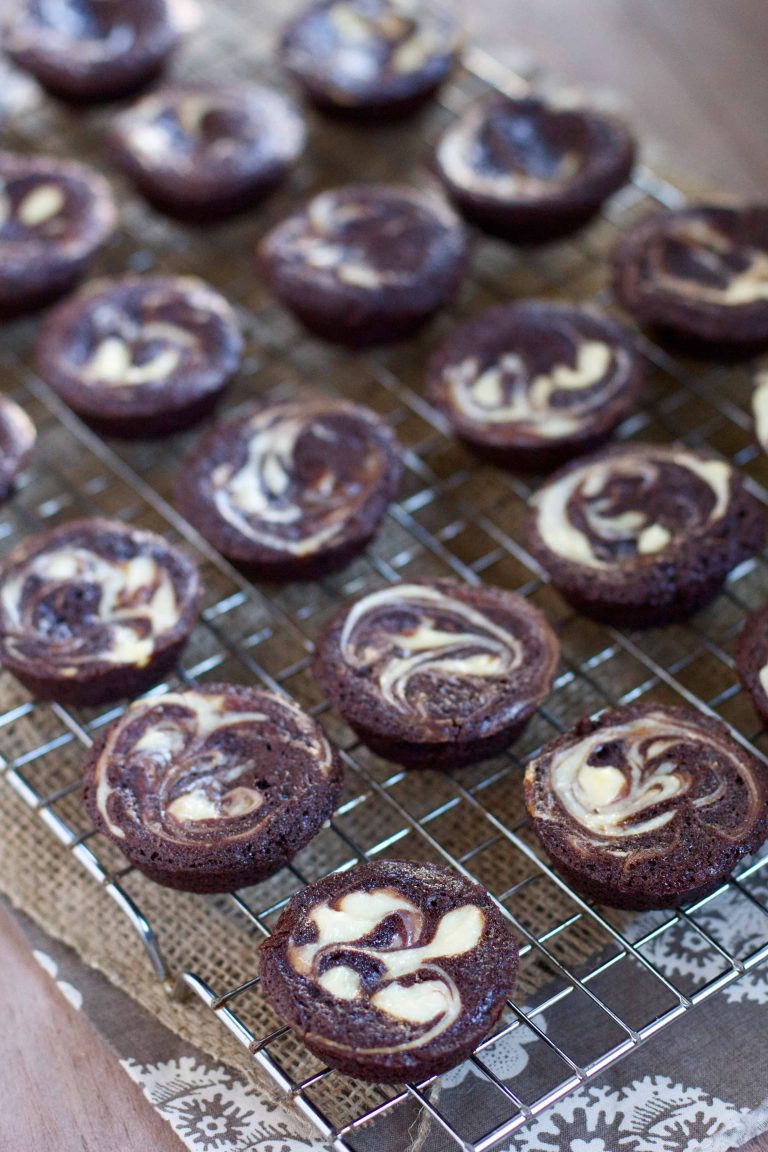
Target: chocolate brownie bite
<point x="17" y="440"/>
<point x="392" y="971"/>
<point x="752" y="659"/>
<point x="95" y="610"/>
<point x="214" y="788"/>
<point x="699" y="274"/>
<point x="140" y="356"/>
<point x="91" y="50"/>
<point x="648" y="806"/>
<point x="203" y="152"/>
<point x="367" y="263"/>
<point x="642" y="534"/>
<point x="54" y="214"/>
<point x="530" y="171"/>
<point x="292" y="491"/>
<point x="530" y="384"/>
<point x="437" y="675"/>
<point x="370" y="59"/>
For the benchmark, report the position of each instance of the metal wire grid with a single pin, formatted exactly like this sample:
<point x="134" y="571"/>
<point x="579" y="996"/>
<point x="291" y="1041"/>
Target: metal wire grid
<point x="459" y="517"/>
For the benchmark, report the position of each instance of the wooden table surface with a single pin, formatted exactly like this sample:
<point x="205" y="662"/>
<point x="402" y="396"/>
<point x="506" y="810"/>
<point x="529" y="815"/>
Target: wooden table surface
<point x="690" y="73"/>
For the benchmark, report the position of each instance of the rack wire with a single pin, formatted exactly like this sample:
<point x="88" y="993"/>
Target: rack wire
<point x="594" y="984"/>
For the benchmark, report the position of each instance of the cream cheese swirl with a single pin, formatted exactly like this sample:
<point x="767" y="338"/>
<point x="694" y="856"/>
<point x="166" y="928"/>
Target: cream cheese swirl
<point x="627" y="781"/>
<point x="88" y="599"/>
<point x="441" y="638"/>
<point x="631" y="503"/>
<point x="693" y="258"/>
<point x="275" y="500"/>
<point x="409" y="987"/>
<point x="175" y="764"/>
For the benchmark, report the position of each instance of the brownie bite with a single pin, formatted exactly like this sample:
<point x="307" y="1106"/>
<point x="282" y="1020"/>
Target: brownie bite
<point x="752" y="659"/>
<point x="531" y="171"/>
<point x="91" y="50"/>
<point x="437" y="675"/>
<point x="649" y="806"/>
<point x="214" y="788"/>
<point x="530" y="384"/>
<point x="699" y="274"/>
<point x="294" y="490"/>
<point x="370" y="59"/>
<point x="95" y="610"/>
<point x="641" y="534"/>
<point x="203" y="152"/>
<point x="140" y="356"/>
<point x="17" y="440"/>
<point x="54" y="214"/>
<point x="392" y="971"/>
<point x="366" y="263"/>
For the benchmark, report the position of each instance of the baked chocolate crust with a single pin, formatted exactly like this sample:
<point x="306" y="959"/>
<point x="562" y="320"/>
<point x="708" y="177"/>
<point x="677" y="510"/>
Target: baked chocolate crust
<point x="700" y="273"/>
<point x="203" y="152"/>
<point x="370" y="59"/>
<point x="140" y="356"/>
<point x="648" y="806"/>
<point x="54" y="214"/>
<point x="641" y="534"/>
<point x="529" y="171"/>
<point x="752" y="659"/>
<point x="293" y="490"/>
<point x="95" y="610"/>
<point x="530" y="384"/>
<point x="366" y="263"/>
<point x="87" y="51"/>
<point x="214" y="788"/>
<point x="437" y="675"/>
<point x="17" y="441"/>
<point x="391" y="971"/>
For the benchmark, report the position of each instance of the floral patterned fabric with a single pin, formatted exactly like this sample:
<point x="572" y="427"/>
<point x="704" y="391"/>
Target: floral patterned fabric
<point x="701" y="1086"/>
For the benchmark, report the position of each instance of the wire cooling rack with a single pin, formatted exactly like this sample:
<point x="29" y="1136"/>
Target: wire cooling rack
<point x="594" y="983"/>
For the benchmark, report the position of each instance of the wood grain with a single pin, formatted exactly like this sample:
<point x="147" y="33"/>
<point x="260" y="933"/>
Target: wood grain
<point x="690" y="74"/>
<point x="63" y="1089"/>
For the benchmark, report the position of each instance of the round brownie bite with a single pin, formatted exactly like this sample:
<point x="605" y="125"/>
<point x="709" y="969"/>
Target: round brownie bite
<point x="699" y="274"/>
<point x="204" y="152"/>
<point x="370" y="59"/>
<point x="530" y="384"/>
<point x="95" y="610"/>
<point x="214" y="788"/>
<point x="752" y="659"/>
<point x="530" y="171"/>
<point x="54" y="214"/>
<point x="367" y="263"/>
<point x="294" y="490"/>
<point x="91" y="50"/>
<point x="17" y="440"/>
<point x="437" y="675"/>
<point x="648" y="806"/>
<point x="642" y="534"/>
<point x="140" y="355"/>
<point x="392" y="971"/>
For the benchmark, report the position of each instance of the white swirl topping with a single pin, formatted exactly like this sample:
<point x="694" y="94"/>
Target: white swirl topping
<point x="622" y="523"/>
<point x="369" y="40"/>
<point x="461" y="156"/>
<point x="712" y="253"/>
<point x="639" y="792"/>
<point x="476" y="650"/>
<point x="38" y="208"/>
<point x="185" y="775"/>
<point x="507" y="393"/>
<point x="266" y="498"/>
<point x="112" y="363"/>
<point x="134" y="605"/>
<point x="432" y="999"/>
